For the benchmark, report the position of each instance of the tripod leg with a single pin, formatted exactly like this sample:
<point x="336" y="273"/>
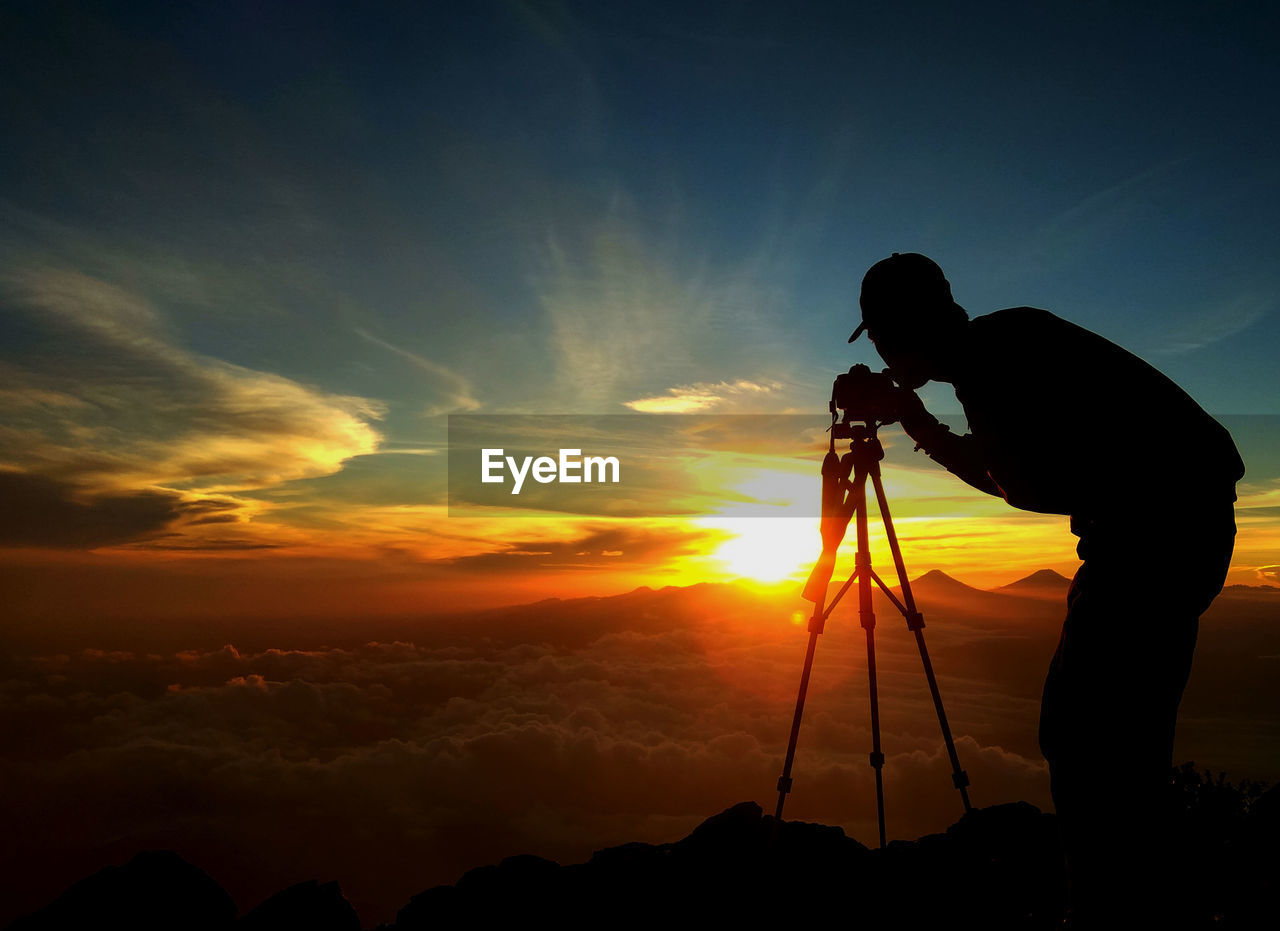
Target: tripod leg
<point x="867" y="618"/>
<point x="816" y="623"/>
<point x="915" y="622"/>
<point x="877" y="755"/>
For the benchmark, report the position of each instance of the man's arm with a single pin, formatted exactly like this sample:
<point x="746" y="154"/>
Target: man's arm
<point x="960" y="455"/>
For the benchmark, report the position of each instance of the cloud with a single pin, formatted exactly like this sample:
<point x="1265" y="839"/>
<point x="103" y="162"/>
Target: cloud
<point x="1269" y="574"/>
<point x="701" y="397"/>
<point x="456" y="390"/>
<point x="621" y="546"/>
<point x="1108" y="222"/>
<point x="40" y="511"/>
<point x="555" y="729"/>
<point x="1216" y="320"/>
<point x="1087" y="226"/>
<point x="629" y="311"/>
<point x="112" y="402"/>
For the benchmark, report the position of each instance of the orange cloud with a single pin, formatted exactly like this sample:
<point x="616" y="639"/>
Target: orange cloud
<point x="138" y="415"/>
<point x="139" y="410"/>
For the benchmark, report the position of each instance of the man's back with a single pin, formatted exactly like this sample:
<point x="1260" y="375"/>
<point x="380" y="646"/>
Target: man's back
<point x="1070" y="423"/>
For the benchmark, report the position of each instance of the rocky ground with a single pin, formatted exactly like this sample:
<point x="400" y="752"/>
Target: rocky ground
<point x="998" y="867"/>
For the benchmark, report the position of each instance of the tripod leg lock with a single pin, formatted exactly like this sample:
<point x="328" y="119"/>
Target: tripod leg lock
<point x="915" y="621"/>
<point x="784" y="784"/>
<point x="877" y="760"/>
<point x="961" y="779"/>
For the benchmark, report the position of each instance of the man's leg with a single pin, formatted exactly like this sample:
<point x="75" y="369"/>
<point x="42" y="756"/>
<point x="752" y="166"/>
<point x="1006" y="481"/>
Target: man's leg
<point x="1108" y="715"/>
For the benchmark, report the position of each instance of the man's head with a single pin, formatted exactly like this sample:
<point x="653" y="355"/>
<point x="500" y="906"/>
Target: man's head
<point x="908" y="312"/>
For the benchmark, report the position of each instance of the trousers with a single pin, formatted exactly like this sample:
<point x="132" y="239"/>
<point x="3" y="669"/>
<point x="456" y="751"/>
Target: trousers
<point x="1110" y="706"/>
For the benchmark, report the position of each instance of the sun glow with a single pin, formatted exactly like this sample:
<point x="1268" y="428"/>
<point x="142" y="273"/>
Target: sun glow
<point x="767" y="549"/>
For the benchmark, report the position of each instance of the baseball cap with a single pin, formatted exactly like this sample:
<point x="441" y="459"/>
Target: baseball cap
<point x="904" y="280"/>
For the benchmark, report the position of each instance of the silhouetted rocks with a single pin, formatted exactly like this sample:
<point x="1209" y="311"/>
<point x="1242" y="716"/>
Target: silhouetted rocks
<point x="999" y="867"/>
<point x="155" y="891"/>
<point x="159" y="891"/>
<point x="311" y="905"/>
<point x="996" y="868"/>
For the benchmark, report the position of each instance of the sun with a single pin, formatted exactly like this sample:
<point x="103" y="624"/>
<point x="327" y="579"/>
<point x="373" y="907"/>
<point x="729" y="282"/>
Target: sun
<point x="768" y="549"/>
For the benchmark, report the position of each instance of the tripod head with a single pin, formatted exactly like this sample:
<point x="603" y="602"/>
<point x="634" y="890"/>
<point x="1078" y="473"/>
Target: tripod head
<point x="844" y="480"/>
<point x="865" y="449"/>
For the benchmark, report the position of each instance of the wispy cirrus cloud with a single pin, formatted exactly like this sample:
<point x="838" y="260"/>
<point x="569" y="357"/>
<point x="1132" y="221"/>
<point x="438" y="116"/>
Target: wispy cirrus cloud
<point x="630" y="312"/>
<point x="1093" y="223"/>
<point x="1217" y="299"/>
<point x="1215" y="320"/>
<point x="457" y="394"/>
<point x="702" y="397"/>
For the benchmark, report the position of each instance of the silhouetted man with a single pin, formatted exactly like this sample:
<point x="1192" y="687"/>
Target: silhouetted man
<point x="1063" y="421"/>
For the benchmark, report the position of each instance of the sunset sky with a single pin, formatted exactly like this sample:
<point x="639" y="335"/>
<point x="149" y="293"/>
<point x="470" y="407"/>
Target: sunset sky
<point x="251" y="258"/>
<point x="254" y="255"/>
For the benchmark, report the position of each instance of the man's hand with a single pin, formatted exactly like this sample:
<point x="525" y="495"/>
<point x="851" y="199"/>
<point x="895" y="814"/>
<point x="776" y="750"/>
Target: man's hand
<point x="904" y="406"/>
<point x="960" y="455"/>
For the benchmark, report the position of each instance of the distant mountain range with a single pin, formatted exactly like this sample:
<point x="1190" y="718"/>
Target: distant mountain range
<point x="1044" y="583"/>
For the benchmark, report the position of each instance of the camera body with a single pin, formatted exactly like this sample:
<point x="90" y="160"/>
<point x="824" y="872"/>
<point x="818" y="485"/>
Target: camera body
<point x="864" y="396"/>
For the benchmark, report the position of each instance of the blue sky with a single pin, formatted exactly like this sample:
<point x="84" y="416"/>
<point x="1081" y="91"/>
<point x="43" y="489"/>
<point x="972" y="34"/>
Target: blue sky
<point x="363" y="217"/>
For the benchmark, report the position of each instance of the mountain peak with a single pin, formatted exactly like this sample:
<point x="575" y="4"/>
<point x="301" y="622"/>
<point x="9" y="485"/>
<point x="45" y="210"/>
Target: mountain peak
<point x="938" y="581"/>
<point x="936" y="575"/>
<point x="1043" y="582"/>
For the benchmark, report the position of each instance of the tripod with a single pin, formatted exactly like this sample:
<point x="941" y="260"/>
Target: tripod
<point x="842" y="499"/>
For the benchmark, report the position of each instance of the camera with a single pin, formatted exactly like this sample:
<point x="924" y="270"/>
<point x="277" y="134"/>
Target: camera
<point x="863" y="395"/>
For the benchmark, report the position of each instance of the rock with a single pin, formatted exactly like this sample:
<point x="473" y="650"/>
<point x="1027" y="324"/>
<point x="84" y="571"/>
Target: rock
<point x="311" y="905"/>
<point x="155" y="891"/>
<point x="491" y="896"/>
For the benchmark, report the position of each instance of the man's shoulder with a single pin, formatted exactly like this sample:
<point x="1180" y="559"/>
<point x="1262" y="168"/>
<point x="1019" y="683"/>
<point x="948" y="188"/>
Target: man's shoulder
<point x="1018" y="328"/>
<point x="1008" y="334"/>
<point x="1020" y="318"/>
